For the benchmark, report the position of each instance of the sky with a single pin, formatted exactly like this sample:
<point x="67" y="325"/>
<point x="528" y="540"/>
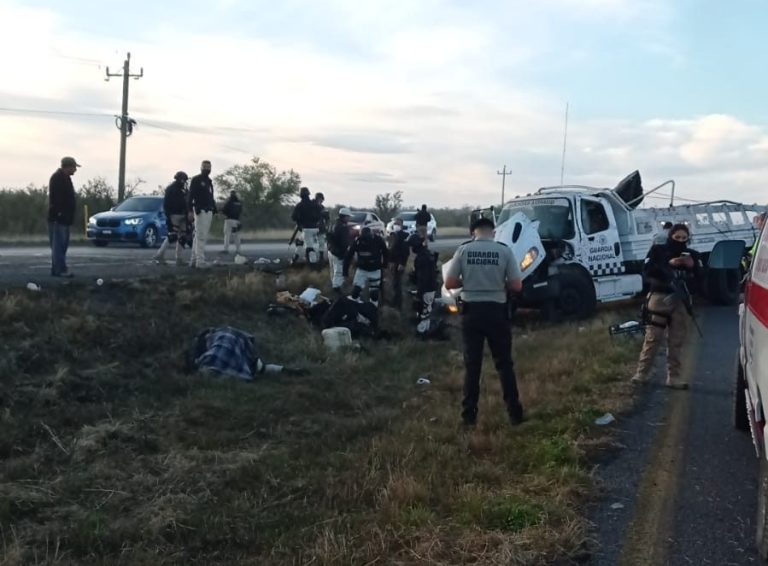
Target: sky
<point x="428" y="97"/>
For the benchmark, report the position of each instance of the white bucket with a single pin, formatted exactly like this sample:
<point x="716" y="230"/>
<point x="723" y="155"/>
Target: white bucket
<point x="336" y="338"/>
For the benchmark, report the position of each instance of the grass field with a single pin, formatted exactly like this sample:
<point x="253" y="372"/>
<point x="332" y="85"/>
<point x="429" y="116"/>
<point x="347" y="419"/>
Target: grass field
<point x="110" y="454"/>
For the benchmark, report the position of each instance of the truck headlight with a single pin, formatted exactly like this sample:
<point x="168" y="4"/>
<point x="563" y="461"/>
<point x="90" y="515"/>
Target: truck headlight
<point x="134" y="221"/>
<point x="529" y="258"/>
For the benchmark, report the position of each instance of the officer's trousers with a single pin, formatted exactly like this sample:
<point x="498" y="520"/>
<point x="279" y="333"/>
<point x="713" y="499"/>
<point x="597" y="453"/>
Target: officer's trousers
<point x="671" y="318"/>
<point x="481" y="322"/>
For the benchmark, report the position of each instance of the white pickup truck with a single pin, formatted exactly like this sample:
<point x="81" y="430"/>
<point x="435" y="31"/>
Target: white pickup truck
<point x="582" y="245"/>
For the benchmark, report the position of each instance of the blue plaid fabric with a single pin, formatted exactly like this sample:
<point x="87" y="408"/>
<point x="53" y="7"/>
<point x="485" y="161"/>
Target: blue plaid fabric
<point x="230" y="352"/>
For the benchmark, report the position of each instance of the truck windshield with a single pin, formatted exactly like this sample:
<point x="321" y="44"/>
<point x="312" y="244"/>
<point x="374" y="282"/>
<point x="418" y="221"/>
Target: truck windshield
<point x="555" y="216"/>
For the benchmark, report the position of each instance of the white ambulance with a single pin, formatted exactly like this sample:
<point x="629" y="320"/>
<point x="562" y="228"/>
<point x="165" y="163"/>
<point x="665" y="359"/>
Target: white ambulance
<point x="751" y="391"/>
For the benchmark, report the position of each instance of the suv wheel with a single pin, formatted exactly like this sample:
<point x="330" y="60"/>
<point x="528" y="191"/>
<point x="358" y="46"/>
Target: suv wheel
<point x="150" y="237"/>
<point x="740" y="416"/>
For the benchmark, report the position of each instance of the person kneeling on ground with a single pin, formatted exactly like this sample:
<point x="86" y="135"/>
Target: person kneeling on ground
<point x="667" y="268"/>
<point x="372" y="257"/>
<point x="232" y="210"/>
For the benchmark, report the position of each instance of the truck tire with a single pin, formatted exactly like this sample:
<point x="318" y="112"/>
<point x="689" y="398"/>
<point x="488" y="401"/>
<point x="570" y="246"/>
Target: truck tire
<point x="724" y="286"/>
<point x="740" y="416"/>
<point x="576" y="299"/>
<point x="762" y="510"/>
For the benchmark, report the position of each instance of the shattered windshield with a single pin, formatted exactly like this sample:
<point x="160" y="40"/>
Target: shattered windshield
<point x="555" y="216"/>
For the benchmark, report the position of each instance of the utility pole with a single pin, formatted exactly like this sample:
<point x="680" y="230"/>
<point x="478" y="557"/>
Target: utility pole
<point x="504" y="173"/>
<point x="565" y="144"/>
<point x="123" y="122"/>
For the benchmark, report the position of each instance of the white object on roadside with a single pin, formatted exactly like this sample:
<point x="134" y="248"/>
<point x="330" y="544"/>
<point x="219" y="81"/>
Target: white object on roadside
<point x="99" y="282"/>
<point x="617" y="506"/>
<point x="423" y="381"/>
<point x="606" y="419"/>
<point x="33" y="287"/>
<point x="310" y="295"/>
<point x="263" y="260"/>
<point x="336" y="338"/>
<point x="240" y="259"/>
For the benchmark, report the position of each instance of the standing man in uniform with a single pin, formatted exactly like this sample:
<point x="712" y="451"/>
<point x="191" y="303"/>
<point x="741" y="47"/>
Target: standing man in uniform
<point x="232" y="210"/>
<point x="372" y="256"/>
<point x="422" y="221"/>
<point x="203" y="204"/>
<point x="61" y="215"/>
<point x="306" y="215"/>
<point x="324" y="223"/>
<point x="176" y="212"/>
<point x="486" y="271"/>
<point x="397" y="242"/>
<point x="338" y="244"/>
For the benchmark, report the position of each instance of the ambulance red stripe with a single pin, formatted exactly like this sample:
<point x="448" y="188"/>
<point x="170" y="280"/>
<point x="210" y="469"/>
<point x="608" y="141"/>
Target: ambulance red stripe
<point x="757" y="302"/>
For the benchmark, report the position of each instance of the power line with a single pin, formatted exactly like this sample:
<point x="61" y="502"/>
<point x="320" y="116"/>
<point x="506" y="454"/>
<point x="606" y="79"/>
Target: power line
<point x="33" y="111"/>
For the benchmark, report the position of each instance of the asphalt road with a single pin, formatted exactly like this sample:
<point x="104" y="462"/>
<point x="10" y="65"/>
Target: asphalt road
<point x="20" y="265"/>
<point x="683" y="489"/>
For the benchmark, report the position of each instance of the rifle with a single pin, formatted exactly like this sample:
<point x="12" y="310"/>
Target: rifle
<point x="293" y="236"/>
<point x="681" y="291"/>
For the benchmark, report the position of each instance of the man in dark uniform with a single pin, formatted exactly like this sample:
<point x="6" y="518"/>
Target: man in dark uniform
<point x="176" y="216"/>
<point x="61" y="215"/>
<point x="232" y="210"/>
<point x="323" y="225"/>
<point x="486" y="271"/>
<point x="203" y="204"/>
<point x="338" y="243"/>
<point x="397" y="242"/>
<point x="422" y="221"/>
<point x="370" y="252"/>
<point x="306" y="215"/>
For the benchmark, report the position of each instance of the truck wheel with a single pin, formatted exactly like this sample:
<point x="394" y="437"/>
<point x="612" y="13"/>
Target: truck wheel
<point x="740" y="416"/>
<point x="576" y="298"/>
<point x="725" y="286"/>
<point x="762" y="510"/>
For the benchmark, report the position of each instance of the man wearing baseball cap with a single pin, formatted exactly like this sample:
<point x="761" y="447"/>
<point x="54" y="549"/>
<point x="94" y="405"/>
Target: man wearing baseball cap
<point x="61" y="214"/>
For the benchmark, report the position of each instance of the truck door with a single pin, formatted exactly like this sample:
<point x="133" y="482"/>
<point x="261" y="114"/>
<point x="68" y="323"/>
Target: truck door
<point x="601" y="251"/>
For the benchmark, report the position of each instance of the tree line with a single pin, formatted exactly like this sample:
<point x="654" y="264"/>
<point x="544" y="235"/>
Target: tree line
<point x="268" y="197"/>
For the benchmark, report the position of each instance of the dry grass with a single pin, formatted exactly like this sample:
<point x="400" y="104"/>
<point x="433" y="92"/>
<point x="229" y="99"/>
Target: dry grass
<point x="109" y="454"/>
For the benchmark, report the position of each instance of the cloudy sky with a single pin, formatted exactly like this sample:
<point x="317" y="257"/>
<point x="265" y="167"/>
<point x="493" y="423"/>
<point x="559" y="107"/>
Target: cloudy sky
<point x="430" y="97"/>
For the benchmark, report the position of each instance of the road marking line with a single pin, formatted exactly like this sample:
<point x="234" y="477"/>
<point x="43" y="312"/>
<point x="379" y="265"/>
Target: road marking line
<point x="647" y="539"/>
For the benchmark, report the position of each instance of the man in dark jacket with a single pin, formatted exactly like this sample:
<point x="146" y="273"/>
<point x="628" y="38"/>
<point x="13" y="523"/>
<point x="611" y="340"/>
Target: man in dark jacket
<point x="422" y="220"/>
<point x="372" y="256"/>
<point x="203" y="204"/>
<point x="425" y="275"/>
<point x="397" y="242"/>
<point x="306" y="215"/>
<point x="338" y="243"/>
<point x="61" y="215"/>
<point x="176" y="216"/>
<point x="323" y="225"/>
<point x="232" y="210"/>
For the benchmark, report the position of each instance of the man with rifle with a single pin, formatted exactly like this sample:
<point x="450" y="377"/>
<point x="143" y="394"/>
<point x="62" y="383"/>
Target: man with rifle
<point x="306" y="215"/>
<point x="669" y="268"/>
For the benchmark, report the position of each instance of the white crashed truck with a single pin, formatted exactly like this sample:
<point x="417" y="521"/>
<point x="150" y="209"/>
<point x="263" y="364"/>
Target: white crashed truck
<point x="579" y="245"/>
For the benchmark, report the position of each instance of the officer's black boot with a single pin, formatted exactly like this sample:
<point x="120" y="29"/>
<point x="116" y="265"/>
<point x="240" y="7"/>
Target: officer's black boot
<point x="469" y="417"/>
<point x="516" y="414"/>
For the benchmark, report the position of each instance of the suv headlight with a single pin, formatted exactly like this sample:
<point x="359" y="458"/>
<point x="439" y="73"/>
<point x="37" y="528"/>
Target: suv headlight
<point x="529" y="258"/>
<point x="134" y="221"/>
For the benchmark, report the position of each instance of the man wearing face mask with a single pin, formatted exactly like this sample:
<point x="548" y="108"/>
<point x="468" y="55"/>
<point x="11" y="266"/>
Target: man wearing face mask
<point x="666" y="266"/>
<point x="397" y="243"/>
<point x="203" y="204"/>
<point x="370" y="252"/>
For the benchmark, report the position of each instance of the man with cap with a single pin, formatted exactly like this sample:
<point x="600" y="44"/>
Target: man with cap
<point x="203" y="204"/>
<point x="486" y="271"/>
<point x="306" y="215"/>
<point x="338" y="244"/>
<point x="176" y="216"/>
<point x="370" y="252"/>
<point x="61" y="215"/>
<point x="232" y="210"/>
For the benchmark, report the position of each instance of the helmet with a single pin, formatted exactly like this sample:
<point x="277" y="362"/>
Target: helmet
<point x="181" y="176"/>
<point x="345" y="212"/>
<point x="304" y="192"/>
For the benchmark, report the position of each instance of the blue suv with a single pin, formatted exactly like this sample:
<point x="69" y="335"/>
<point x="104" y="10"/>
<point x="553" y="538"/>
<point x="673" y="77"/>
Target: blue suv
<point x="139" y="220"/>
